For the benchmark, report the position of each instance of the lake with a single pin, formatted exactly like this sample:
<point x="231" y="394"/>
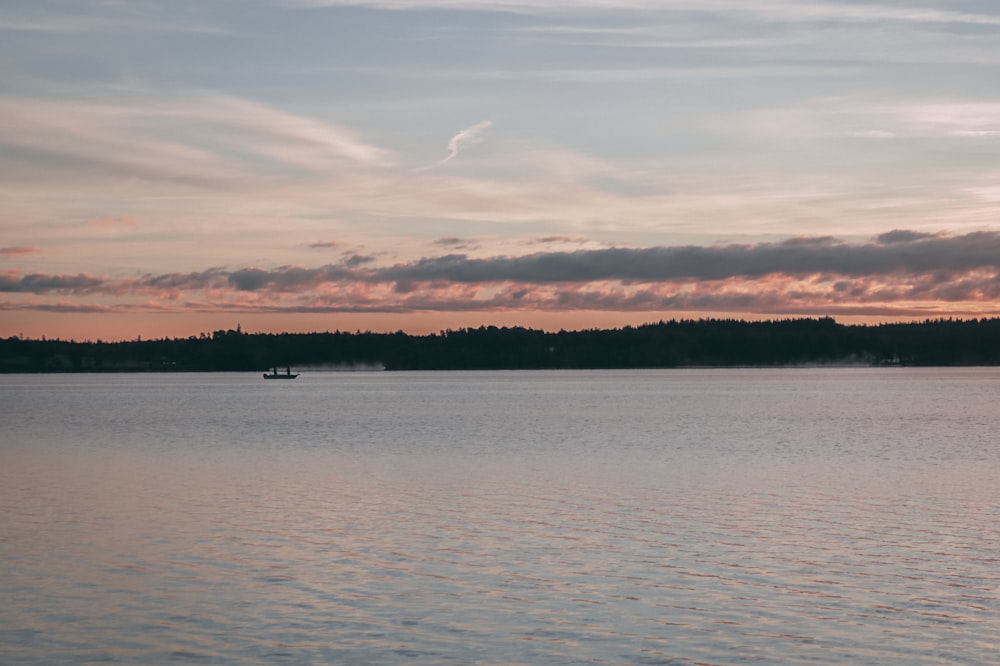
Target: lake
<point x="793" y="516"/>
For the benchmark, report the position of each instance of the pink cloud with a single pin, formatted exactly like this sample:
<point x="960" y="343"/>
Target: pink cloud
<point x="896" y="273"/>
<point x="16" y="251"/>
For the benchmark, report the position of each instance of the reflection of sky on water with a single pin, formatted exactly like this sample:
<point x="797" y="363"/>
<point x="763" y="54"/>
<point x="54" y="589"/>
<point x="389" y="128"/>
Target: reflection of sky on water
<point x="674" y="547"/>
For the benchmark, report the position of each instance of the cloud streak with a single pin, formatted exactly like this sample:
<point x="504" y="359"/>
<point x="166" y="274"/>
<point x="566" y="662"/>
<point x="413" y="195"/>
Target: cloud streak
<point x="895" y="252"/>
<point x="898" y="272"/>
<point x="188" y="142"/>
<point x="787" y="10"/>
<point x="17" y="251"/>
<point x="470" y="136"/>
<point x="467" y="137"/>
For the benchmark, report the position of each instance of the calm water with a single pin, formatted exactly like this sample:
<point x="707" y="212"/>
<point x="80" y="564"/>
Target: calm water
<point x="664" y="517"/>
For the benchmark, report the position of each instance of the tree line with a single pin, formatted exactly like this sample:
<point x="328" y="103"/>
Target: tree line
<point x="664" y="344"/>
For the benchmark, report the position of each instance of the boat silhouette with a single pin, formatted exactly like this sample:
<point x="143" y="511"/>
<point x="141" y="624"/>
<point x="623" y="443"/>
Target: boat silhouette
<point x="274" y="374"/>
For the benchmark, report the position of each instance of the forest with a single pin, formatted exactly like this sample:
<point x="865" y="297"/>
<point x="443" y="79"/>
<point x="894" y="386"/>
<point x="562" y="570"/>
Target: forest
<point x="664" y="344"/>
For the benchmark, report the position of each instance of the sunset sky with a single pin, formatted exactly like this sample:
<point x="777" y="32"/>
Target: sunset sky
<point x="170" y="167"/>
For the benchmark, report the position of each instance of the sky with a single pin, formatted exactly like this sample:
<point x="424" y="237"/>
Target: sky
<point x="172" y="167"/>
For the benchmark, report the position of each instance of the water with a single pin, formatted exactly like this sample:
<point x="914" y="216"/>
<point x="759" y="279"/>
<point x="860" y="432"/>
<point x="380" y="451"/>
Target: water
<point x="662" y="517"/>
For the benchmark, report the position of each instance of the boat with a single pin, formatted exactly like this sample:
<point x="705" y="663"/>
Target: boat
<point x="274" y="374"/>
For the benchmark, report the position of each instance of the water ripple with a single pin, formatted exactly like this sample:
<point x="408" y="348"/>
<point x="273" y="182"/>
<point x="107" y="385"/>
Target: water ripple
<point x="634" y="539"/>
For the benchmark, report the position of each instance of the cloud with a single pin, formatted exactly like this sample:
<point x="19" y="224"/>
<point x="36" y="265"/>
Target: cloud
<point x="896" y="253"/>
<point x="288" y="278"/>
<point x="455" y="243"/>
<point x="554" y="239"/>
<point x="212" y="278"/>
<point x="850" y="117"/>
<point x="37" y="283"/>
<point x="468" y="137"/>
<point x="902" y="236"/>
<point x="772" y="10"/>
<point x="249" y="163"/>
<point x="105" y="17"/>
<point x="899" y="252"/>
<point x="897" y="273"/>
<point x="202" y="142"/>
<point x="351" y="260"/>
<point x="16" y="251"/>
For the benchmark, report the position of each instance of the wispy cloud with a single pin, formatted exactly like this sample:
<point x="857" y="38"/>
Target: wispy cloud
<point x="788" y="10"/>
<point x="17" y="251"/>
<point x="881" y="119"/>
<point x="467" y="137"/>
<point x="205" y="141"/>
<point x="255" y="165"/>
<point x="84" y="16"/>
<point x="470" y="136"/>
<point x="557" y="239"/>
<point x="455" y="243"/>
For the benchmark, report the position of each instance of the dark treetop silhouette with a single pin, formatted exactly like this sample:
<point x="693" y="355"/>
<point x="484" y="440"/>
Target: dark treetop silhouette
<point x="666" y="344"/>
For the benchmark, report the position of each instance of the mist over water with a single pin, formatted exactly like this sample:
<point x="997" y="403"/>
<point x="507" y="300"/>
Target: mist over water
<point x="663" y="517"/>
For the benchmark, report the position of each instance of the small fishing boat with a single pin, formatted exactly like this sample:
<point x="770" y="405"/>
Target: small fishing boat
<point x="274" y="374"/>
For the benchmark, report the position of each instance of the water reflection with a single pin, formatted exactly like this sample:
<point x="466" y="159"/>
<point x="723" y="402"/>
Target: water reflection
<point x="625" y="539"/>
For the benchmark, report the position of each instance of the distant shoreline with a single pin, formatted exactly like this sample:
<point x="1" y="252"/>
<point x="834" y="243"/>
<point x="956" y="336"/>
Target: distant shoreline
<point x="702" y="343"/>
